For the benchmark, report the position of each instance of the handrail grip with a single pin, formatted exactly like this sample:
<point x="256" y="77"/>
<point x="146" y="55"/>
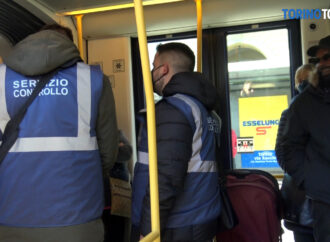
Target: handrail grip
<point x="151" y="123"/>
<point x="151" y="237"/>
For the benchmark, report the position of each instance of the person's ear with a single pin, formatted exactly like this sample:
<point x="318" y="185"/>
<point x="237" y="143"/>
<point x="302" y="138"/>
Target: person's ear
<point x="166" y="68"/>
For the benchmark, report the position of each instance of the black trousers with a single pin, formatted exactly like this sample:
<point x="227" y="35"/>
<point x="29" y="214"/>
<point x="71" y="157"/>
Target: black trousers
<point x="321" y="216"/>
<point x="114" y="227"/>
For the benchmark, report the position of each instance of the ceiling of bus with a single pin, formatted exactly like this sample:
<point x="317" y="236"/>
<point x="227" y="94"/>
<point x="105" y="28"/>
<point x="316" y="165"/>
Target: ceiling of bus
<point x="176" y="17"/>
<point x="65" y="5"/>
<point x="16" y="22"/>
<point x="181" y="16"/>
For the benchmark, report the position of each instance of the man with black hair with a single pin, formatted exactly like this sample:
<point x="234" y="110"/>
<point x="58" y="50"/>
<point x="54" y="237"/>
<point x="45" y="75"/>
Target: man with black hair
<point x="188" y="180"/>
<point x="306" y="141"/>
<point x="51" y="186"/>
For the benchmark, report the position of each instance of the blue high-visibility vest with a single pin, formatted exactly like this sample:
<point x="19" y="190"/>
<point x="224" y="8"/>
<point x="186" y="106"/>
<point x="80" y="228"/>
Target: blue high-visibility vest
<point x="52" y="176"/>
<point x="200" y="201"/>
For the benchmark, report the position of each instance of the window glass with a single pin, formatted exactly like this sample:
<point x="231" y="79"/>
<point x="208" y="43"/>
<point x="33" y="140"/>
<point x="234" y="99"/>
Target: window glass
<point x="259" y="84"/>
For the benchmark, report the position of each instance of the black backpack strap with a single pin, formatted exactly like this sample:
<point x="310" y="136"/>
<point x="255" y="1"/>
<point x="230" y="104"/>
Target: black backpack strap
<point x="11" y="131"/>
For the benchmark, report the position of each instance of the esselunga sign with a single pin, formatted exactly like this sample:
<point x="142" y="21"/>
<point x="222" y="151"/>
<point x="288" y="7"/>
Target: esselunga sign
<point x="261" y="126"/>
<point x="259" y="118"/>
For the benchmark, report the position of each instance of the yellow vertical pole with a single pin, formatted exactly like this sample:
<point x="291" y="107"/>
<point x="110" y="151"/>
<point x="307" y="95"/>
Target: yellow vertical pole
<point x="151" y="124"/>
<point x="199" y="34"/>
<point x="79" y="30"/>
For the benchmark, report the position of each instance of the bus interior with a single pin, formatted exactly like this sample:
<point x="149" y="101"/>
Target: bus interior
<point x="250" y="52"/>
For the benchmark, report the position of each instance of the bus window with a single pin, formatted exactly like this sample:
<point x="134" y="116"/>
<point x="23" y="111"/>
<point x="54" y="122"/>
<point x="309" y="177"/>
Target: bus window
<point x="259" y="84"/>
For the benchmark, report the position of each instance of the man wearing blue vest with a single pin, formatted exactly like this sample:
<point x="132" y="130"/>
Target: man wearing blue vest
<point x="188" y="180"/>
<point x="51" y="185"/>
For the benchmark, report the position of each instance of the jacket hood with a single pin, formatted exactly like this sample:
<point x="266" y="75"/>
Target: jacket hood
<point x="41" y="52"/>
<point x="193" y="84"/>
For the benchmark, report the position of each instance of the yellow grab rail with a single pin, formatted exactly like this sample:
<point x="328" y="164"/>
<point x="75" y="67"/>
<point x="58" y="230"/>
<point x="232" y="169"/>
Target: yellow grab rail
<point x="79" y="31"/>
<point x="199" y="34"/>
<point x="152" y="236"/>
<point x="151" y="124"/>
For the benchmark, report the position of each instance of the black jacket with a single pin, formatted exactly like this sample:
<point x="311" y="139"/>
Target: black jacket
<point x="293" y="197"/>
<point x="306" y="143"/>
<point x="279" y="139"/>
<point x="174" y="150"/>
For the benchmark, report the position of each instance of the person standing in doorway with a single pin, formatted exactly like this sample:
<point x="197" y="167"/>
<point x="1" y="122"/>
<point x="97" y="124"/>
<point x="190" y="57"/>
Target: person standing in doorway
<point x="296" y="216"/>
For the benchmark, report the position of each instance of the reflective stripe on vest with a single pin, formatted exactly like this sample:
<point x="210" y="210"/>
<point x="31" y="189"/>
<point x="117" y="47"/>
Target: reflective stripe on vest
<point x="199" y="202"/>
<point x="196" y="163"/>
<point x="193" y="166"/>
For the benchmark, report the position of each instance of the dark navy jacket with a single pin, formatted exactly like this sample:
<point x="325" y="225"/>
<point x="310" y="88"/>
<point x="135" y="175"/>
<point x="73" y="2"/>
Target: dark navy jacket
<point x="188" y="187"/>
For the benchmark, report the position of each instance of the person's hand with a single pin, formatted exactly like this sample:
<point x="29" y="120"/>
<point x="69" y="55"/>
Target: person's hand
<point x="141" y="236"/>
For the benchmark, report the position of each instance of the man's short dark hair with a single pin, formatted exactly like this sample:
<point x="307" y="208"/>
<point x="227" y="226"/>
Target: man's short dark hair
<point x="59" y="28"/>
<point x="179" y="48"/>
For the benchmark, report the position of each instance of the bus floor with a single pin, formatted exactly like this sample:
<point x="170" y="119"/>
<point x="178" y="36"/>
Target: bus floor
<point x="287" y="236"/>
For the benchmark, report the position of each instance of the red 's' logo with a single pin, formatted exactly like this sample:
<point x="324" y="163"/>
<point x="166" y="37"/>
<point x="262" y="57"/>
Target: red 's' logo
<point x="262" y="130"/>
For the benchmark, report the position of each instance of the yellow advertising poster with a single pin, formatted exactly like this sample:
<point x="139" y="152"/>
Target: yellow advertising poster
<point x="259" y="118"/>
